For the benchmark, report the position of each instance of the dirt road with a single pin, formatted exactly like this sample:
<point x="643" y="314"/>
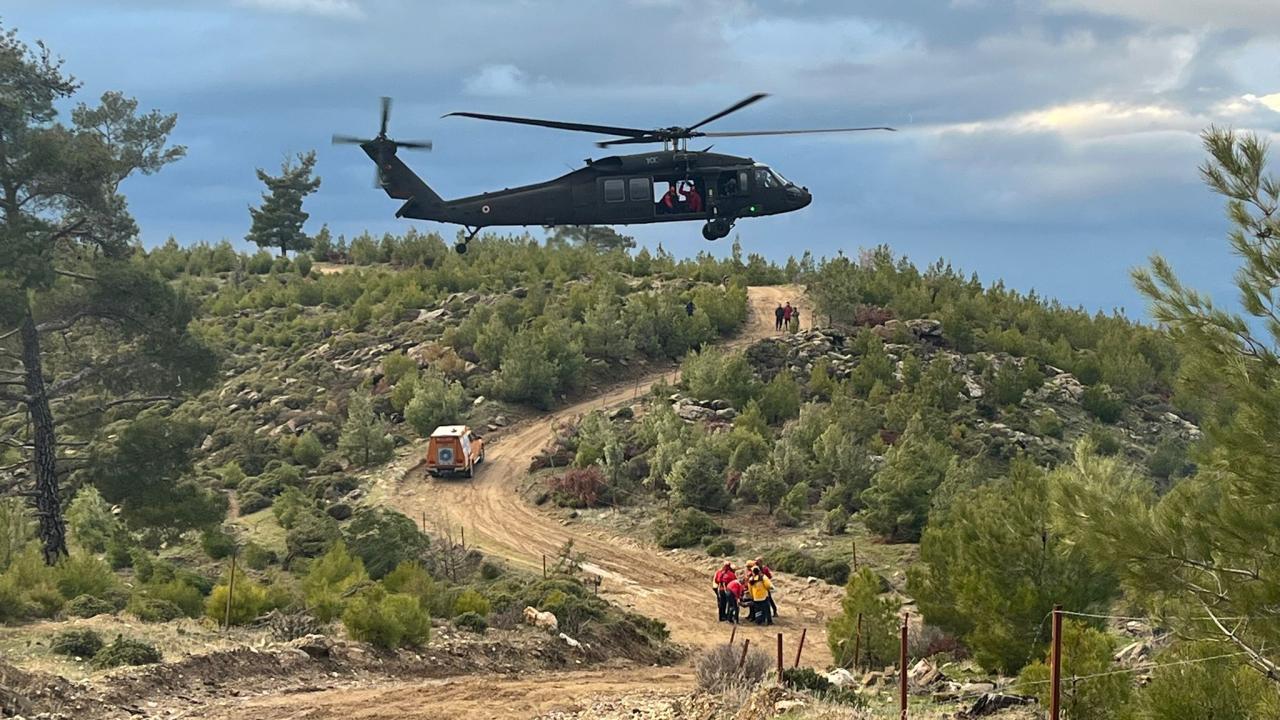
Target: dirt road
<point x="673" y="587"/>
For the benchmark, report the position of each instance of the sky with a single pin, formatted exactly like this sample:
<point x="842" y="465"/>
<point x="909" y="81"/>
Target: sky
<point x="1053" y="145"/>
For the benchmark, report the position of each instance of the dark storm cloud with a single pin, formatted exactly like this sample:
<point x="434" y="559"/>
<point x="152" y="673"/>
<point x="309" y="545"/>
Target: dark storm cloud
<point x="1051" y="143"/>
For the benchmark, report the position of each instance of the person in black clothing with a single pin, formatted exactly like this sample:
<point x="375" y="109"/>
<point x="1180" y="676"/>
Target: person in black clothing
<point x="777" y="318"/>
<point x="688" y="308"/>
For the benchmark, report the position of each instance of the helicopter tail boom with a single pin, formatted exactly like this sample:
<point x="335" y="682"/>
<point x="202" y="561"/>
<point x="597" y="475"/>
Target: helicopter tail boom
<point x="397" y="180"/>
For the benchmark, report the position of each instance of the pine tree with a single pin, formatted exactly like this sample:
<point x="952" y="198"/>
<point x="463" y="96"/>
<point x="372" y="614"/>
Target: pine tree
<point x="66" y="273"/>
<point x="697" y="480"/>
<point x="897" y="502"/>
<point x="364" y="438"/>
<point x="1202" y="555"/>
<point x="278" y="222"/>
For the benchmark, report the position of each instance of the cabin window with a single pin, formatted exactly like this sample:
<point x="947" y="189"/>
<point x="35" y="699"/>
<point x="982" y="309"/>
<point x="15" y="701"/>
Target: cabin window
<point x="615" y="190"/>
<point x="638" y="189"/>
<point x="765" y="178"/>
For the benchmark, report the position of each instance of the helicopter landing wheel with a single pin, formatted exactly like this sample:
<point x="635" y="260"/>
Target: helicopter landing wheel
<point x="716" y="229"/>
<point x="461" y="248"/>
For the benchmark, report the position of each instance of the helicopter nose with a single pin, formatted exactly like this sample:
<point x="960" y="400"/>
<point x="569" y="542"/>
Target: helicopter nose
<point x="799" y="197"/>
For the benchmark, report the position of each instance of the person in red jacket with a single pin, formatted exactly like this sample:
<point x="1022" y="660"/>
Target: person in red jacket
<point x="725" y="604"/>
<point x="734" y="590"/>
<point x="692" y="198"/>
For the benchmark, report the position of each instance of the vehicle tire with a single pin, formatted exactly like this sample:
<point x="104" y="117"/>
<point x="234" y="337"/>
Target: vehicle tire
<point x="461" y="248"/>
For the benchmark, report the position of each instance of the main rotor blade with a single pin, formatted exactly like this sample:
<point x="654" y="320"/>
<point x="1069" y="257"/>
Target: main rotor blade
<point x="731" y="109"/>
<point x="413" y="144"/>
<point x="640" y="140"/>
<point x="349" y="140"/>
<point x="386" y="115"/>
<point x="750" y="133"/>
<point x="579" y="127"/>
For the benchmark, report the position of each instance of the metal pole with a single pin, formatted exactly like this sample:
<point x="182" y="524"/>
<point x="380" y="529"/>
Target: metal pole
<point x="463" y="528"/>
<point x="902" y="670"/>
<point x="544" y="566"/>
<point x="733" y="634"/>
<point x="803" y="632"/>
<point x="231" y="591"/>
<point x="857" y="646"/>
<point x="1055" y="666"/>
<point x="743" y="660"/>
<point x="855" y="556"/>
<point x="779" y="658"/>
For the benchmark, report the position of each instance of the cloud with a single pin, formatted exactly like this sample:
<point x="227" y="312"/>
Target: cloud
<point x="501" y="80"/>
<point x="327" y="8"/>
<point x="1239" y="14"/>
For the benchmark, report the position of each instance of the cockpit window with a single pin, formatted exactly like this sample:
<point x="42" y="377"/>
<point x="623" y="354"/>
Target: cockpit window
<point x="782" y="182"/>
<point x="766" y="179"/>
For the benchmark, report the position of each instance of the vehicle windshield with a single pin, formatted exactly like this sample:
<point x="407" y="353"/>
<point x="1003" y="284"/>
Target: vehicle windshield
<point x="766" y="177"/>
<point x="779" y="179"/>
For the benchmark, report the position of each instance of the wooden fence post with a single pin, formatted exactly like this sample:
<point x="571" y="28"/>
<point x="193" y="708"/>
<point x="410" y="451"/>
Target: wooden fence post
<point x="803" y="632"/>
<point x="857" y="646"/>
<point x="743" y="660"/>
<point x="1055" y="666"/>
<point x="231" y="592"/>
<point x="902" y="670"/>
<point x="779" y="659"/>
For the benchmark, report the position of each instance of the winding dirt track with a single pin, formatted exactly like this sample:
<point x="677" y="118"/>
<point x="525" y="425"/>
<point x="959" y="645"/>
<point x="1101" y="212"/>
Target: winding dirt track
<point x="673" y="587"/>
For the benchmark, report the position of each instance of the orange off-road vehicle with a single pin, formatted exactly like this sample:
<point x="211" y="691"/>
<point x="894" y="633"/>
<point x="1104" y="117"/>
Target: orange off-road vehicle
<point x="454" y="450"/>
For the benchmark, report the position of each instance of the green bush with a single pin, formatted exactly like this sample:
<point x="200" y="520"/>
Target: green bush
<point x="1105" y="441"/>
<point x="122" y="651"/>
<point x="686" y="528"/>
<point x="474" y="622"/>
<point x="84" y="574"/>
<point x="180" y="593"/>
<point x="76" y="643"/>
<point x="249" y="601"/>
<point x="436" y="401"/>
<point x="723" y="547"/>
<point x="308" y="451"/>
<point x="253" y="501"/>
<point x="1188" y="676"/>
<point x="1102" y="403"/>
<point x="1085" y="651"/>
<point x="808" y="680"/>
<point x="470" y="601"/>
<point x="86" y="606"/>
<point x="90" y="520"/>
<point x="312" y="533"/>
<point x="697" y="480"/>
<point x="217" y="543"/>
<point x="151" y="609"/>
<point x="384" y="538"/>
<point x="879" y="644"/>
<point x="257" y="557"/>
<point x="387" y="620"/>
<point x="798" y="562"/>
<point x="330" y="579"/>
<point x="836" y="521"/>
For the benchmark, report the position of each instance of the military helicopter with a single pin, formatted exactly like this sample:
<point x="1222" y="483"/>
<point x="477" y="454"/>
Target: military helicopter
<point x="714" y="188"/>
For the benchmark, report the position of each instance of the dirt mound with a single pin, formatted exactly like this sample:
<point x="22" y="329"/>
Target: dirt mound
<point x="25" y="694"/>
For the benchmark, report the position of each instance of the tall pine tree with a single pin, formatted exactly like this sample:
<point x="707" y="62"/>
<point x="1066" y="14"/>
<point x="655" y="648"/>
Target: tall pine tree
<point x="85" y="332"/>
<point x="1206" y="556"/>
<point x="278" y="222"/>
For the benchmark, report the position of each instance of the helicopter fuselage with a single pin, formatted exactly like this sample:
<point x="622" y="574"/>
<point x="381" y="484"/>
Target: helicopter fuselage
<point x="619" y="190"/>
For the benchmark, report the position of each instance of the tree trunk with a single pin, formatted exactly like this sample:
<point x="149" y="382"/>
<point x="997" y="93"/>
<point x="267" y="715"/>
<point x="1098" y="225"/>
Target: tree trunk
<point x="53" y="530"/>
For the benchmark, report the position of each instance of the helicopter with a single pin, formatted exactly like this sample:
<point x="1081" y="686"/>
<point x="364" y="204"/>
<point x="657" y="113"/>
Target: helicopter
<point x="713" y="188"/>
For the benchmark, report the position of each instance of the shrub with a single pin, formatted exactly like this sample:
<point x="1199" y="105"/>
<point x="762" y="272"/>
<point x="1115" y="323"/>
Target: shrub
<point x="1085" y="651"/>
<point x="686" y="528"/>
<point x="150" y="609"/>
<point x="252" y="501"/>
<point x="717" y="668"/>
<point x="836" y="521"/>
<point x="86" y="606"/>
<point x="384" y="538"/>
<point x="291" y="626"/>
<point x="723" y="547"/>
<point x="308" y="451"/>
<point x="387" y="620"/>
<point x="879" y="643"/>
<point x="249" y="601"/>
<point x="580" y="487"/>
<point x="257" y="557"/>
<point x="1169" y="460"/>
<point x="1102" y="403"/>
<point x="1105" y="441"/>
<point x="474" y="622"/>
<point x="436" y="401"/>
<point x="470" y="601"/>
<point x="303" y="265"/>
<point x="76" y="643"/>
<point x="410" y="578"/>
<point x="1048" y="424"/>
<point x="84" y="574"/>
<point x="122" y="651"/>
<point x="1222" y="688"/>
<point x="330" y="579"/>
<point x="697" y="480"/>
<point x="798" y="562"/>
<point x="90" y="520"/>
<point x="312" y="534"/>
<point x="180" y="593"/>
<point x="217" y="543"/>
<point x="806" y="679"/>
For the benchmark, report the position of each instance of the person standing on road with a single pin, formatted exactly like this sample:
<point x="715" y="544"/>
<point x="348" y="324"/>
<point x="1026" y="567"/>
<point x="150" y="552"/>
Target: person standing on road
<point x="759" y="586"/>
<point x="734" y="591"/>
<point x="764" y="570"/>
<point x="795" y="320"/>
<point x="723" y="577"/>
<point x="777" y="317"/>
<point x="786" y="315"/>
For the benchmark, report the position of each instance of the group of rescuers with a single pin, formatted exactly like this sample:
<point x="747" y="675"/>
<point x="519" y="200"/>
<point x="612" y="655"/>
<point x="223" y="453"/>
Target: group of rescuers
<point x="752" y="590"/>
<point x="786" y="317"/>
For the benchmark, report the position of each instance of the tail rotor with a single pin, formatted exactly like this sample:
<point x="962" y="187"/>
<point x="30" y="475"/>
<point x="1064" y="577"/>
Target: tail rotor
<point x="382" y="146"/>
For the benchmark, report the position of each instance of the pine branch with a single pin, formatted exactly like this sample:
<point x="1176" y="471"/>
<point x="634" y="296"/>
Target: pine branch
<point x="65" y="324"/>
<point x="115" y="403"/>
<point x="76" y="275"/>
<point x="14" y="398"/>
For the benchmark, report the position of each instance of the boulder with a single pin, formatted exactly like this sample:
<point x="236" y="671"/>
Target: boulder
<point x="925" y="328"/>
<point x="841" y="678"/>
<point x="316" y="646"/>
<point x="993" y="702"/>
<point x="1133" y="653"/>
<point x="924" y="674"/>
<point x="544" y="620"/>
